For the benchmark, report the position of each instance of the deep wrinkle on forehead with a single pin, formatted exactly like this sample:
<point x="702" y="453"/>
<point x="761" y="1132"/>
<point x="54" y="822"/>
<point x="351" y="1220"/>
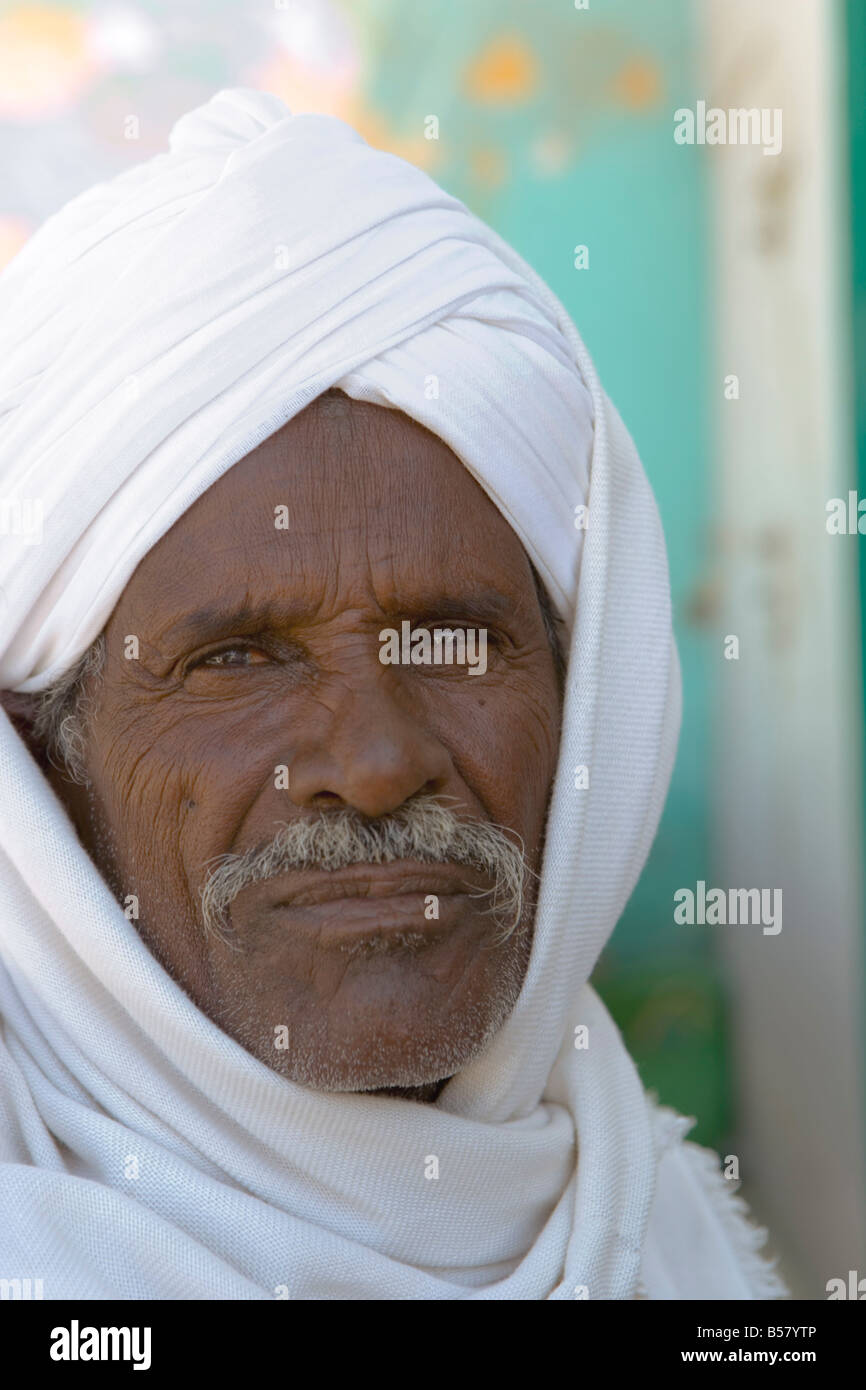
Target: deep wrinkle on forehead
<point x="391" y="505"/>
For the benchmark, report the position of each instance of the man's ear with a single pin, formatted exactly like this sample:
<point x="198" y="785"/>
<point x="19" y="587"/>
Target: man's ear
<point x="21" y="707"/>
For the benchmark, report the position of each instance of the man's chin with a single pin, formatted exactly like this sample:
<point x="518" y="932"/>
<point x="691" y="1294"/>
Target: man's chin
<point x="415" y="1064"/>
<point x="392" y="1022"/>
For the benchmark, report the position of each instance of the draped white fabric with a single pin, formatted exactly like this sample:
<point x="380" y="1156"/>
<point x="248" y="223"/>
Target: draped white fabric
<point x="151" y="334"/>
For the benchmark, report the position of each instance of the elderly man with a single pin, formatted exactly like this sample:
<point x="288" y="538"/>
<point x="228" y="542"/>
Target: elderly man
<point x="298" y="918"/>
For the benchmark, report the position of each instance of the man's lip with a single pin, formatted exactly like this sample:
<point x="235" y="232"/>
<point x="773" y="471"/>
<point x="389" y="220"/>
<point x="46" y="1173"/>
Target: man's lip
<point x="308" y="888"/>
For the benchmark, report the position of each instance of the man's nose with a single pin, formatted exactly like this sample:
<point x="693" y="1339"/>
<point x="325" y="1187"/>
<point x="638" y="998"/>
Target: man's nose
<point x="373" y="755"/>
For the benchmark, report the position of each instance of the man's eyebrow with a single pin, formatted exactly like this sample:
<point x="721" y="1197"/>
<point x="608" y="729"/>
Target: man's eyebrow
<point x="216" y="617"/>
<point x="483" y="605"/>
<point x="480" y="605"/>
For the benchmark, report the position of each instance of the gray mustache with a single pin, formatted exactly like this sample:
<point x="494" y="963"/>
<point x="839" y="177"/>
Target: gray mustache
<point x="421" y="829"/>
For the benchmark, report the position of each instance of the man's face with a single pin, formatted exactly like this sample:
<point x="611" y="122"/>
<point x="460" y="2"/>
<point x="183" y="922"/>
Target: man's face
<point x="258" y="650"/>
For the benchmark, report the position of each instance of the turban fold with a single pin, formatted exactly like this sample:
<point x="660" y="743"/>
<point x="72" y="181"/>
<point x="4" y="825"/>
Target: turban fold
<point x="151" y="334"/>
<point x="165" y="323"/>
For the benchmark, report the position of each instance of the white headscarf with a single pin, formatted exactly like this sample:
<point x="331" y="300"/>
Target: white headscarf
<point x="151" y="334"/>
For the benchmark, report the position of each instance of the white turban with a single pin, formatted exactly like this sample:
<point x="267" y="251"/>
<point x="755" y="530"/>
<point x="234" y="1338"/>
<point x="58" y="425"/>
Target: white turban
<point x="151" y="334"/>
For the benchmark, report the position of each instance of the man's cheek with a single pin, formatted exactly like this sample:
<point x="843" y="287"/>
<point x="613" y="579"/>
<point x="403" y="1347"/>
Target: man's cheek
<point x="142" y="808"/>
<point x="513" y="756"/>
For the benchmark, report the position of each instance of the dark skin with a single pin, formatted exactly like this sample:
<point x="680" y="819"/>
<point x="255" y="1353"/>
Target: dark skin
<point x="281" y="667"/>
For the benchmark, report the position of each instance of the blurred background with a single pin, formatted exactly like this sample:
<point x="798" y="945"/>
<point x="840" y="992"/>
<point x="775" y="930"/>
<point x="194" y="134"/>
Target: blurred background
<point x="722" y="294"/>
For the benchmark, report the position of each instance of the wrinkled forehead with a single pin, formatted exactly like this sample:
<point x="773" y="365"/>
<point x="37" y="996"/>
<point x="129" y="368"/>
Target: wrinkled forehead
<point x="348" y="504"/>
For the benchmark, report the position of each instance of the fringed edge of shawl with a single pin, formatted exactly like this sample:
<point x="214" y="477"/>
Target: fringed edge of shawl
<point x="732" y="1212"/>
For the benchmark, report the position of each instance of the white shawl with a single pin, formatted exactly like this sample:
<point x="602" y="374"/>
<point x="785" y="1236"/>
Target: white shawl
<point x="150" y="335"/>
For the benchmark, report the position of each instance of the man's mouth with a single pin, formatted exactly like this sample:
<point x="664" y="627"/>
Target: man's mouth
<point x="406" y="877"/>
<point x="402" y="898"/>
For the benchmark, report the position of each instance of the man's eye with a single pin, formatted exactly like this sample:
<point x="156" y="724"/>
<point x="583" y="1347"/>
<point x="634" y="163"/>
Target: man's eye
<point x="233" y="657"/>
<point x="492" y="637"/>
